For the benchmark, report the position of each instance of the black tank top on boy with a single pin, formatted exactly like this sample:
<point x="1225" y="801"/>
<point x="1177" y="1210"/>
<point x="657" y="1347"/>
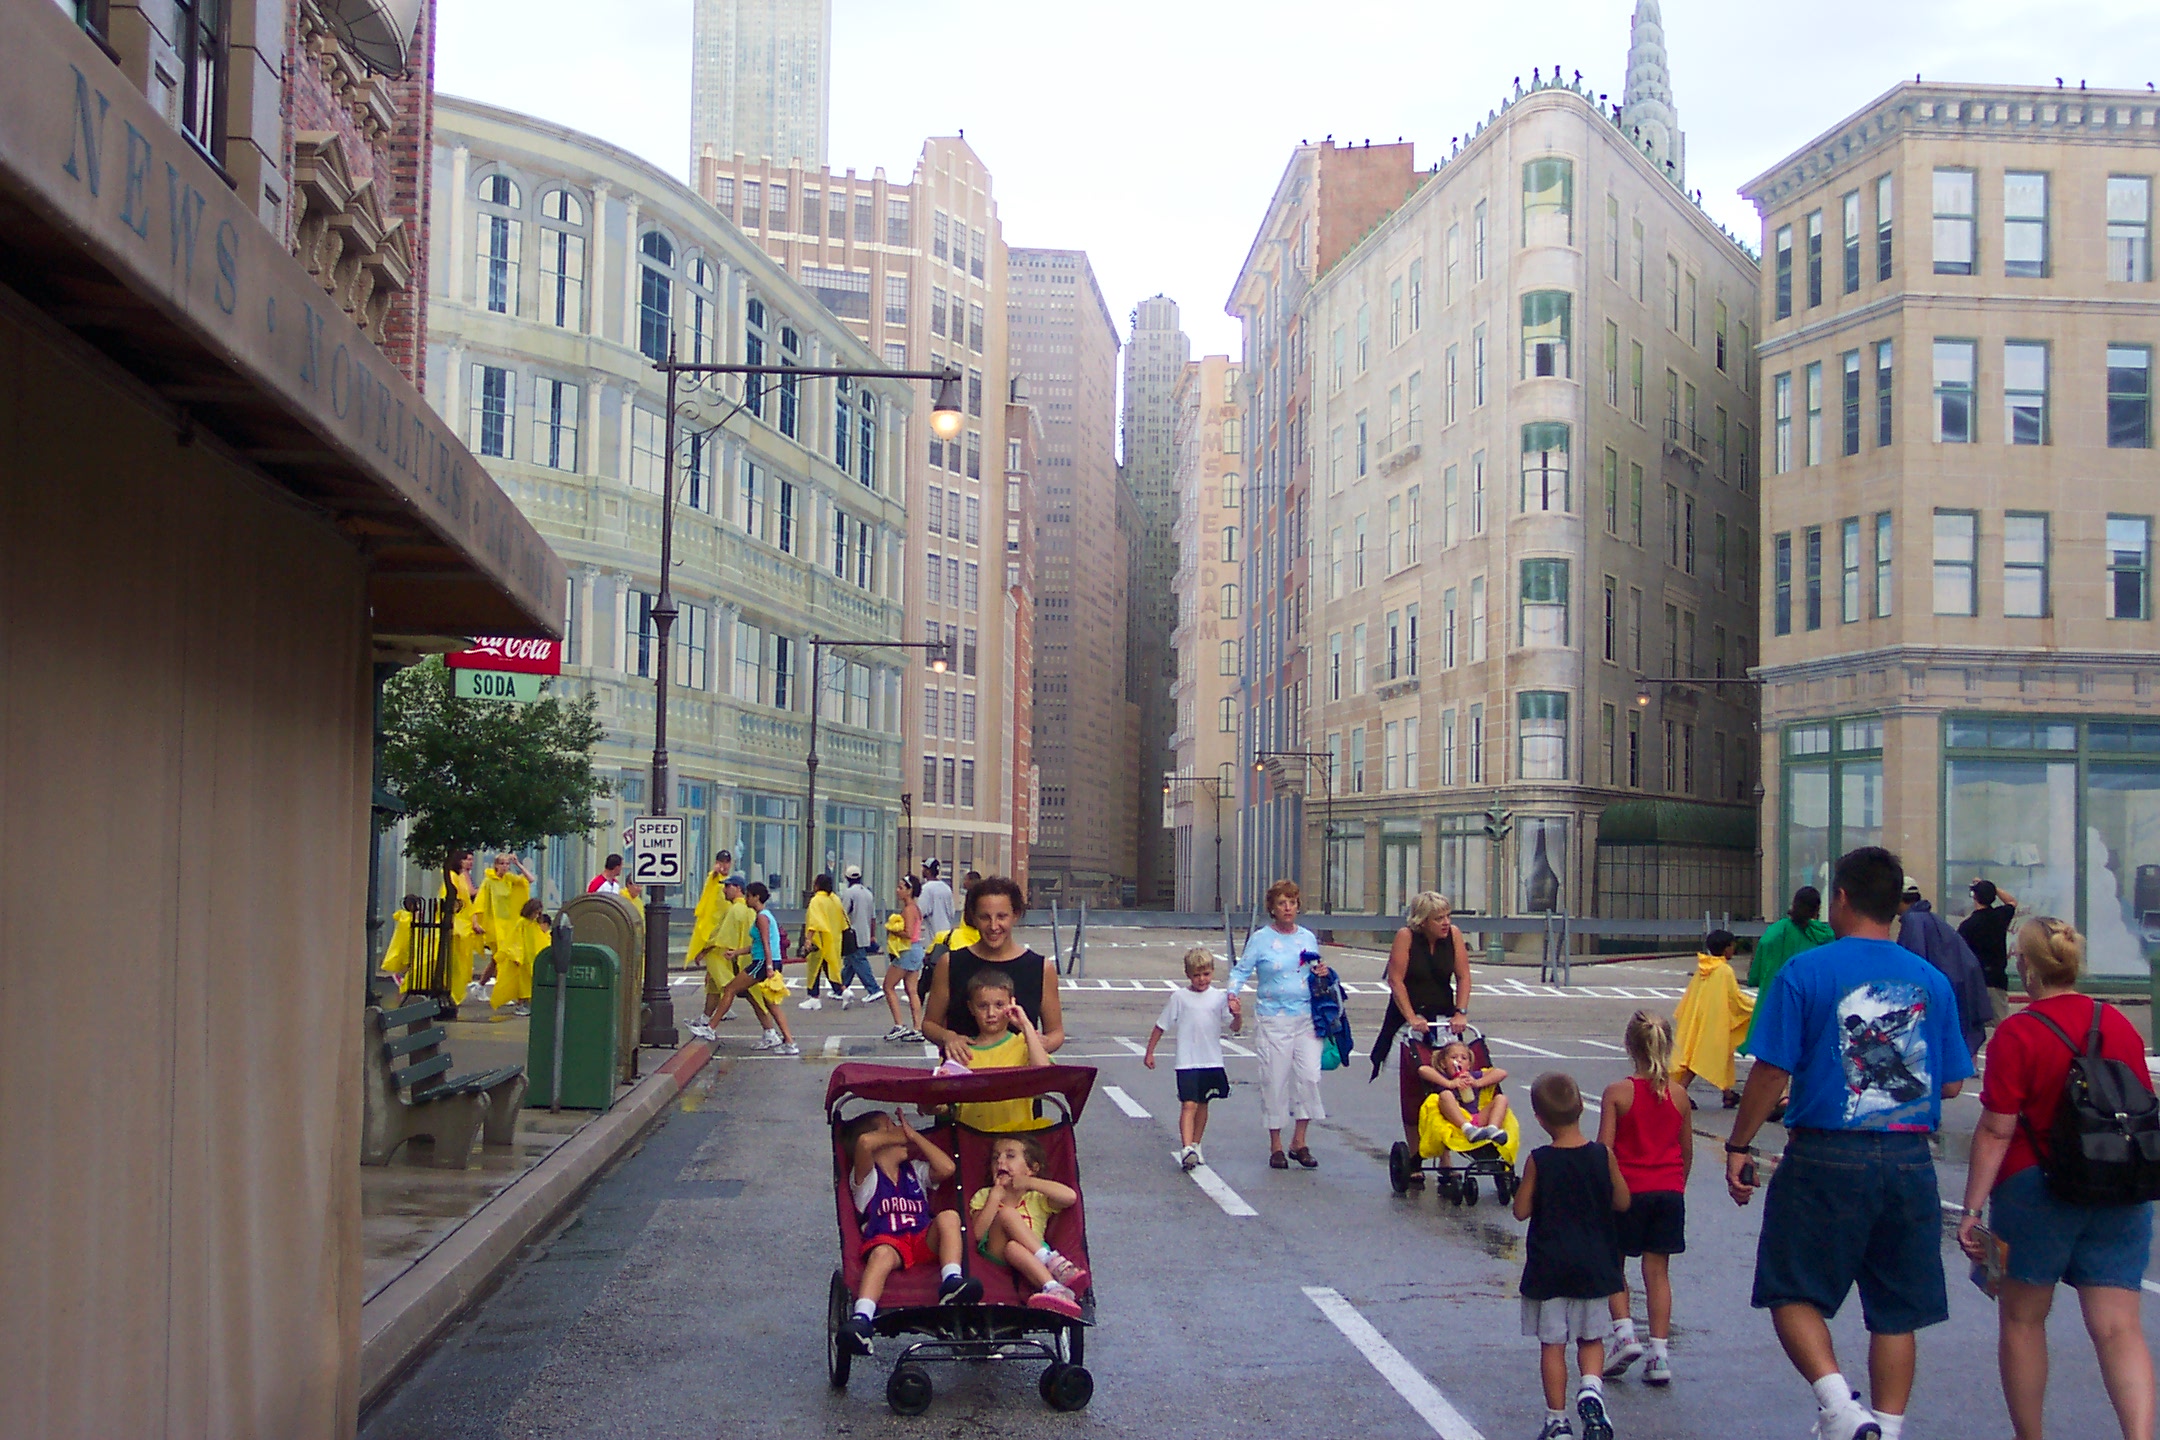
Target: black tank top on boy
<point x="1573" y="1251"/>
<point x="961" y="966"/>
<point x="1429" y="977"/>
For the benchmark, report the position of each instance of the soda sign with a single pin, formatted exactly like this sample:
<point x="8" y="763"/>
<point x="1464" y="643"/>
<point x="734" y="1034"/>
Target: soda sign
<point x="510" y="653"/>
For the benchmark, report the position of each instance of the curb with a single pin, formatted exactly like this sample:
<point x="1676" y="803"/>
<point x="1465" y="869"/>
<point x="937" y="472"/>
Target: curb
<point x="414" y="1310"/>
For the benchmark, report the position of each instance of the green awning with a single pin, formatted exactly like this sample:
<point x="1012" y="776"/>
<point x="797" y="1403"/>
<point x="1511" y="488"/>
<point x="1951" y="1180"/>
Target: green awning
<point x="1676" y="822"/>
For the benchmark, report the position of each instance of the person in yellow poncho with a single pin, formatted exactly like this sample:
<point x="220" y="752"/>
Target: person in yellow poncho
<point x="504" y="889"/>
<point x="468" y="928"/>
<point x="518" y="944"/>
<point x="712" y="903"/>
<point x="725" y="954"/>
<point x="397" y="960"/>
<point x="1712" y="1019"/>
<point x="823" y="923"/>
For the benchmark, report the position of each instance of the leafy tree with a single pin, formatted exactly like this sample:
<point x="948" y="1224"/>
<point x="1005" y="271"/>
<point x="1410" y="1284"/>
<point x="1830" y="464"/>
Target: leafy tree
<point x="481" y="774"/>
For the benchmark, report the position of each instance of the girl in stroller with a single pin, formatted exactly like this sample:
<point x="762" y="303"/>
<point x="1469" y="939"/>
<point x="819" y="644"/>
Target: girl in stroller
<point x="1468" y="1093"/>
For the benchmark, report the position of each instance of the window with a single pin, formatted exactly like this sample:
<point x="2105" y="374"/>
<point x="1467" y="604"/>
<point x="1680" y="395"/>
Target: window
<point x="1357" y="553"/>
<point x="1781" y="583"/>
<point x="1611" y="627"/>
<point x="1612" y="236"/>
<point x="1549" y="202"/>
<point x="2025" y="564"/>
<point x="1849" y="570"/>
<point x="562" y="260"/>
<point x="1884" y="390"/>
<point x="1364" y="338"/>
<point x="1226" y="715"/>
<point x="495" y="279"/>
<point x="1954" y="364"/>
<point x="1476" y="726"/>
<point x="2025" y="224"/>
<point x="1687" y="535"/>
<point x="1417" y="293"/>
<point x="1636" y="250"/>
<point x="1335" y="662"/>
<point x="1782" y="283"/>
<point x="752" y="510"/>
<point x="494" y="404"/>
<point x="1541" y="729"/>
<point x="1721" y="321"/>
<point x="1635" y="379"/>
<point x="1447" y="630"/>
<point x="1410" y="639"/>
<point x="1849" y="432"/>
<point x="1363" y="450"/>
<point x="1885" y="593"/>
<point x="1781" y="454"/>
<point x="2025" y="397"/>
<point x="200" y="40"/>
<point x="1229" y="545"/>
<point x="1357" y="760"/>
<point x="1954" y="223"/>
<point x="1885" y="222"/>
<point x="1357" y="660"/>
<point x="1395" y="319"/>
<point x="1477" y="619"/>
<point x="689" y="637"/>
<point x="1227" y="602"/>
<point x="1544" y="617"/>
<point x="1477" y="366"/>
<point x="2129" y="397"/>
<point x="555" y="424"/>
<point x="1718" y="552"/>
<point x="1635" y="503"/>
<point x="1849" y="212"/>
<point x="1477" y="242"/>
<point x="1545" y="326"/>
<point x="1672" y="525"/>
<point x="1612" y="363"/>
<point x="1634" y="749"/>
<point x="656" y="295"/>
<point x="1813" y="560"/>
<point x="2129" y="228"/>
<point x="1814" y="413"/>
<point x="1814" y="258"/>
<point x="1545" y="467"/>
<point x="783" y="672"/>
<point x="1477" y="492"/>
<point x="1612" y="491"/>
<point x="1447" y="747"/>
<point x="2129" y="544"/>
<point x="1451" y="265"/>
<point x="1957" y="542"/>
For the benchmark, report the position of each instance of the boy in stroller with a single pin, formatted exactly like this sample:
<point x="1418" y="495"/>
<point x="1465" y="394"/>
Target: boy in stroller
<point x="895" y="1169"/>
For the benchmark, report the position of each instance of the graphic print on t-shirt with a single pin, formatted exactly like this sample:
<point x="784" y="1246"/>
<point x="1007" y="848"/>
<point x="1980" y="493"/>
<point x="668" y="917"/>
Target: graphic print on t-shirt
<point x="1888" y="1077"/>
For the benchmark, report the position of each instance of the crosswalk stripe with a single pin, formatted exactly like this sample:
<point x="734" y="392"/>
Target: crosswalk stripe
<point x="1125" y="1102"/>
<point x="1213" y="1186"/>
<point x="1432" y="1407"/>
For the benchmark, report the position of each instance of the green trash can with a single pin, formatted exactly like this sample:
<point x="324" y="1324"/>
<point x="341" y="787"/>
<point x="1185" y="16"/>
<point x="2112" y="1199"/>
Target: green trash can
<point x="587" y="989"/>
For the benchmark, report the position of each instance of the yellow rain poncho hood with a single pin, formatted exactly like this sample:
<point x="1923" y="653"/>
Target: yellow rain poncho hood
<point x="1711" y="1022"/>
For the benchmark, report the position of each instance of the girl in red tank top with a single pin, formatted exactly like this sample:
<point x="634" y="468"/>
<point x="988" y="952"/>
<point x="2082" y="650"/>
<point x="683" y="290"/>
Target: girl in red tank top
<point x="1645" y="1123"/>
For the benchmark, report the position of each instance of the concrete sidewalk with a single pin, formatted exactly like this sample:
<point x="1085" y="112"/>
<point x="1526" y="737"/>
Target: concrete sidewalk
<point x="434" y="1240"/>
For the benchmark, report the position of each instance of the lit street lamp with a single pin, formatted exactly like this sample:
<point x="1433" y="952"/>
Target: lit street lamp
<point x="945" y="422"/>
<point x="1326" y="763"/>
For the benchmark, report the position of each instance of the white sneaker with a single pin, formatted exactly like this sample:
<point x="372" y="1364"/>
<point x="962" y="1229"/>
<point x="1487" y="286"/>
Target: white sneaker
<point x="791" y="1048"/>
<point x="768" y="1040"/>
<point x="898" y="1032"/>
<point x="1850" y="1421"/>
<point x="1590" y="1405"/>
<point x="475" y="990"/>
<point x="813" y="1003"/>
<point x="1183" y="1155"/>
<point x="1657" y="1370"/>
<point x="1621" y="1353"/>
<point x="702" y="1031"/>
<point x="846" y="1000"/>
<point x="1199" y="1156"/>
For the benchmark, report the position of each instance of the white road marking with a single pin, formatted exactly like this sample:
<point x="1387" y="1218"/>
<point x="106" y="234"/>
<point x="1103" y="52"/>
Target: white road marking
<point x="1212" y="1186"/>
<point x="1125" y="1102"/>
<point x="1590" y="1104"/>
<point x="1527" y="1049"/>
<point x="1130" y="1046"/>
<point x="1236" y="1049"/>
<point x="832" y="1046"/>
<point x="1603" y="1044"/>
<point x="1432" y="1407"/>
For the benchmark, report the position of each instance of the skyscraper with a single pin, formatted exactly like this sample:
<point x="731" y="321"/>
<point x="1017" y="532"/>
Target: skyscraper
<point x="1154" y="362"/>
<point x="1202" y="796"/>
<point x="760" y="80"/>
<point x="1087" y="529"/>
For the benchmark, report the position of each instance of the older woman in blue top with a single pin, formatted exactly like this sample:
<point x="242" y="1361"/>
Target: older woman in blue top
<point x="1278" y="957"/>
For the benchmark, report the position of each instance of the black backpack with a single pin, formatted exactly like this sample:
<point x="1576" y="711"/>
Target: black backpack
<point x="2105" y="1149"/>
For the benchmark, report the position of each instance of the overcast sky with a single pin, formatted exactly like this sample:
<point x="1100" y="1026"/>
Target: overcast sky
<point x="1151" y="132"/>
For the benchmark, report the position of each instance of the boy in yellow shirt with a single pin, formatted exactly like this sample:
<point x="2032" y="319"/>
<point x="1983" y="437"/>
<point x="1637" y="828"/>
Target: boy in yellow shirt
<point x="1005" y="1038"/>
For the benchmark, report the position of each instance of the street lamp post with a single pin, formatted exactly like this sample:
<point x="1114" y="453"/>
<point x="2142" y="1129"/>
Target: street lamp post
<point x="946" y="421"/>
<point x="1326" y="762"/>
<point x="1212" y="787"/>
<point x="939" y="661"/>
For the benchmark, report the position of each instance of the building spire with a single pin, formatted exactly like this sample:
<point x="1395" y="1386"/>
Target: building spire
<point x="1646" y="112"/>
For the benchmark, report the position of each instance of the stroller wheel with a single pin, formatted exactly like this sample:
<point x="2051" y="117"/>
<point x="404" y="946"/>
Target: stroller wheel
<point x="839" y="1360"/>
<point x="909" y="1391"/>
<point x="1066" y="1387"/>
<point x="1469" y="1189"/>
<point x="1398" y="1167"/>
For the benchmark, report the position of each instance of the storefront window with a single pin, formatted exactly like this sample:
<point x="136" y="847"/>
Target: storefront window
<point x="1465" y="857"/>
<point x="1541" y="864"/>
<point x="1833" y="795"/>
<point x="2017" y="791"/>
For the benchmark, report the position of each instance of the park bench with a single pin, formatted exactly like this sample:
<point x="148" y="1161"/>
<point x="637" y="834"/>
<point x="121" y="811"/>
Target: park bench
<point x="410" y="1091"/>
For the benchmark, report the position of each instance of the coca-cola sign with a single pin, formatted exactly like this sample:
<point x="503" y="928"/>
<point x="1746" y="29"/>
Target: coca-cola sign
<point x="503" y="652"/>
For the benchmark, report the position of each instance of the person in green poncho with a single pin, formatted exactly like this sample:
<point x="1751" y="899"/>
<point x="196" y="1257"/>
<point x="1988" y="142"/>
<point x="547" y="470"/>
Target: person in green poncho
<point x="1799" y="931"/>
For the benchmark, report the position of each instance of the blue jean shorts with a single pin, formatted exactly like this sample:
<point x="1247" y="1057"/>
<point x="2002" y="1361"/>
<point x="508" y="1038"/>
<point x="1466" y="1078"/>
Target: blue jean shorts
<point x="1850" y="1207"/>
<point x="909" y="959"/>
<point x="2077" y="1245"/>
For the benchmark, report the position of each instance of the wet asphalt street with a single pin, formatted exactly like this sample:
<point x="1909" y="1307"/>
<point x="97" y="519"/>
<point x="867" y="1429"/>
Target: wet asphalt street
<point x="686" y="1295"/>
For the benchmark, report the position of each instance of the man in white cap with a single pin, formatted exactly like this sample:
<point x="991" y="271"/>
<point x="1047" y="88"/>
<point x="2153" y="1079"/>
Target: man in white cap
<point x="861" y="939"/>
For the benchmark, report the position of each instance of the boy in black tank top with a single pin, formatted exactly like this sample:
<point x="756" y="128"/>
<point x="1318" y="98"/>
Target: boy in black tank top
<point x="1570" y="1192"/>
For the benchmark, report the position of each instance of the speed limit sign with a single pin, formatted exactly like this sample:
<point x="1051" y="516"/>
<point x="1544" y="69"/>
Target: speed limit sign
<point x="656" y="855"/>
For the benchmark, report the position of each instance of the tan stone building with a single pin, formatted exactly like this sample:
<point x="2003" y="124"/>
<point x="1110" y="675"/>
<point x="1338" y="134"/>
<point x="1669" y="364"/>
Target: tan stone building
<point x="1958" y="322"/>
<point x="918" y="271"/>
<point x="1087" y="531"/>
<point x="1533" y="506"/>
<point x="223" y="503"/>
<point x="1155" y="356"/>
<point x="1201" y="795"/>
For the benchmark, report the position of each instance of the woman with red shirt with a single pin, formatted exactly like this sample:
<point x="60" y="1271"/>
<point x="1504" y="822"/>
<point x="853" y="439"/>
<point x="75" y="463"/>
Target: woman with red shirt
<point x="2098" y="1250"/>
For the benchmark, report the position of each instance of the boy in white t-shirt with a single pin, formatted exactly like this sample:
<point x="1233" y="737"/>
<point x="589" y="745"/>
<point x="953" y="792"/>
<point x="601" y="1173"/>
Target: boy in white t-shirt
<point x="1198" y="1016"/>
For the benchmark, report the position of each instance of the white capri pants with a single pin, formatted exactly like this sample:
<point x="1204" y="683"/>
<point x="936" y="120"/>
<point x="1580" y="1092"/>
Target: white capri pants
<point x="1289" y="1070"/>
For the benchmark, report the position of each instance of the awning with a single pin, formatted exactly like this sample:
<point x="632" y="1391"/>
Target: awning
<point x="115" y="227"/>
<point x="1677" y="822"/>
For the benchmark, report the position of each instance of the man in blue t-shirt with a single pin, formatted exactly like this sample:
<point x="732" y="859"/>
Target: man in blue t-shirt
<point x="1867" y="1032"/>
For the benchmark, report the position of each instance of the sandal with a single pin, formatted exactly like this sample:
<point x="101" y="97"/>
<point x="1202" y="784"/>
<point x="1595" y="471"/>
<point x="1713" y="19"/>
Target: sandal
<point x="1305" y="1158"/>
<point x="1276" y="1160"/>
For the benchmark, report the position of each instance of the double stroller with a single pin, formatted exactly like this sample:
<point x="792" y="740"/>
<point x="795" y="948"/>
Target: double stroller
<point x="1445" y="1151"/>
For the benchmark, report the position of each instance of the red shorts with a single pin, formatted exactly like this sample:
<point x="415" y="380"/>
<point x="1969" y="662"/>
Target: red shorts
<point x="912" y="1246"/>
